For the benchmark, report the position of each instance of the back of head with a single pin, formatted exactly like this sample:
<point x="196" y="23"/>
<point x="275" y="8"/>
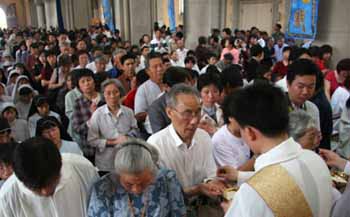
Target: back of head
<point x="37" y="162"/>
<point x="301" y="67"/>
<point x="7" y="153"/>
<point x="231" y="76"/>
<point x="175" y="75"/>
<point x="261" y="106"/>
<point x="256" y="50"/>
<point x="297" y="52"/>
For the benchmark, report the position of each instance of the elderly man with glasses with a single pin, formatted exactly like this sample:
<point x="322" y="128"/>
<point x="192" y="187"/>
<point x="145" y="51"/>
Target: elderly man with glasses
<point x="185" y="148"/>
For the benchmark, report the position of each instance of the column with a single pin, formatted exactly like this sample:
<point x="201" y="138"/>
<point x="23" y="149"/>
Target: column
<point x="50" y="13"/>
<point x="334" y="28"/>
<point x="40" y="12"/>
<point x="82" y="13"/>
<point x="200" y="17"/>
<point x="140" y="19"/>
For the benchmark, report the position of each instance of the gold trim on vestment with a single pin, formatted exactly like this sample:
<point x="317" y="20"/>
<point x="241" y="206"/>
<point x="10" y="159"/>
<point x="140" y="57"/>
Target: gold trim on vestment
<point x="280" y="192"/>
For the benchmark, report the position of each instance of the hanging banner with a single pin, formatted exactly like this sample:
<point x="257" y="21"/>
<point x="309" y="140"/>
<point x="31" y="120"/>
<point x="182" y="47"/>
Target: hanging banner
<point x="171" y="14"/>
<point x="107" y="14"/>
<point x="302" y="22"/>
<point x="59" y="15"/>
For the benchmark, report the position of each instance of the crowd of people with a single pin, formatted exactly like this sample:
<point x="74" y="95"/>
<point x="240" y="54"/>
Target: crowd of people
<point x="93" y="125"/>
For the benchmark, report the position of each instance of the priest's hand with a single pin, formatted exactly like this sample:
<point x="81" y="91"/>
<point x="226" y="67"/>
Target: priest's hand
<point x="228" y="173"/>
<point x="332" y="159"/>
<point x="211" y="189"/>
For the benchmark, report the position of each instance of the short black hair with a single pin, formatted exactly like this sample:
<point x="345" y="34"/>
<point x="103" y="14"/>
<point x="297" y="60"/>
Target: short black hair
<point x="314" y="51"/>
<point x="325" y="49"/>
<point x="64" y="60"/>
<point x="227" y="31"/>
<point x="256" y="50"/>
<point x="343" y="65"/>
<point x="126" y="57"/>
<point x="301" y="67"/>
<point x="152" y="55"/>
<point x="297" y="52"/>
<point x="262" y="69"/>
<point x="175" y="75"/>
<point x="286" y="49"/>
<point x="48" y="123"/>
<point x="212" y="69"/>
<point x="208" y="79"/>
<point x="262" y="106"/>
<point x="79" y="73"/>
<point x="37" y="162"/>
<point x="231" y="76"/>
<point x="7" y="153"/>
<point x="202" y="40"/>
<point x="141" y="77"/>
<point x="190" y="59"/>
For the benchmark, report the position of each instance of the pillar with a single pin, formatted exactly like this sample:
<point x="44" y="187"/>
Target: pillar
<point x="40" y="12"/>
<point x="334" y="28"/>
<point x="140" y="19"/>
<point x="200" y="17"/>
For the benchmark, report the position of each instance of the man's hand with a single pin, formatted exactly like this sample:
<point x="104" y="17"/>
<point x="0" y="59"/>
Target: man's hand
<point x="332" y="159"/>
<point x="228" y="173"/>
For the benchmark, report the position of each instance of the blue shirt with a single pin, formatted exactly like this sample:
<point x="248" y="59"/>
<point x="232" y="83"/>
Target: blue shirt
<point x="70" y="147"/>
<point x="165" y="197"/>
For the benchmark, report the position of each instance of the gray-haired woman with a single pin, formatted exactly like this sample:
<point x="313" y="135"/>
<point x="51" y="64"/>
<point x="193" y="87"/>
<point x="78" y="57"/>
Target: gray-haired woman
<point x="302" y="127"/>
<point x="110" y="125"/>
<point x="138" y="187"/>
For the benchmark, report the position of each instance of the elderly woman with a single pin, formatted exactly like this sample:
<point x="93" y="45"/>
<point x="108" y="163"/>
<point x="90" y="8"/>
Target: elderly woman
<point x="137" y="187"/>
<point x="302" y="128"/>
<point x="110" y="125"/>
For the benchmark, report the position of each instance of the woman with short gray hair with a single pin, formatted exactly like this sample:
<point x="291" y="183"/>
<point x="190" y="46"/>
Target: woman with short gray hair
<point x="137" y="187"/>
<point x="302" y="127"/>
<point x="110" y="126"/>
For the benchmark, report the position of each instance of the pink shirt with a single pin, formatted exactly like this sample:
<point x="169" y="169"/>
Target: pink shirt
<point x="234" y="52"/>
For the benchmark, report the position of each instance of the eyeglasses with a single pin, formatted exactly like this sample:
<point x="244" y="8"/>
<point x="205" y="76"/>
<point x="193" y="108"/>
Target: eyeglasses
<point x="189" y="115"/>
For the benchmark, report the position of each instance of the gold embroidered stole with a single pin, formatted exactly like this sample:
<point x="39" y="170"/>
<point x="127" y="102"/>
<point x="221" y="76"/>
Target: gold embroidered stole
<point x="280" y="192"/>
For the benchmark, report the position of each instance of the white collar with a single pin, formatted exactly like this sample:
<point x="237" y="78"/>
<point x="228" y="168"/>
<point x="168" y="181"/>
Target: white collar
<point x="177" y="139"/>
<point x="66" y="174"/>
<point x="106" y="110"/>
<point x="285" y="151"/>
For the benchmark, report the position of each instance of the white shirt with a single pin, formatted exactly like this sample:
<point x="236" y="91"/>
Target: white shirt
<point x="181" y="55"/>
<point x="104" y="125"/>
<point x="307" y="169"/>
<point x="70" y="147"/>
<point x="282" y="84"/>
<point x="338" y="101"/>
<point x="145" y="95"/>
<point x="204" y="69"/>
<point x="192" y="165"/>
<point x="69" y="200"/>
<point x="92" y="66"/>
<point x="279" y="51"/>
<point x="229" y="149"/>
